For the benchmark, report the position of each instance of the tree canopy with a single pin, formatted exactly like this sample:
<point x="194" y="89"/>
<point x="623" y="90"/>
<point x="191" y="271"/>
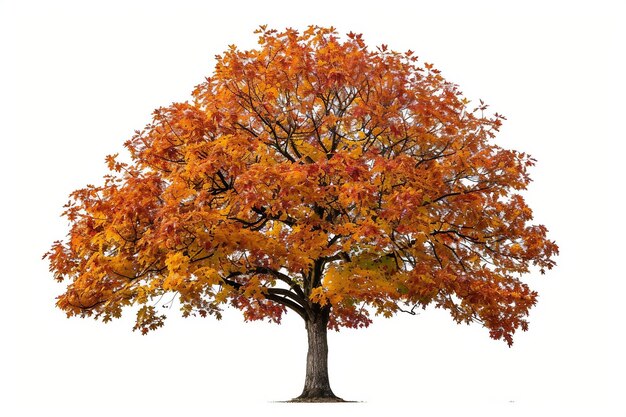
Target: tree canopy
<point x="309" y="174"/>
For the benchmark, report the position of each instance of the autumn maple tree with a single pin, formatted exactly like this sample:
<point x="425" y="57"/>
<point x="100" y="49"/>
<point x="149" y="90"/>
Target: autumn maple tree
<point x="311" y="175"/>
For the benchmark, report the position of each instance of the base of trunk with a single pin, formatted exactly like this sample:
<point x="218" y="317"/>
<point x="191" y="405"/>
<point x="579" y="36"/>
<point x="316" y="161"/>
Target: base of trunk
<point x="314" y="399"/>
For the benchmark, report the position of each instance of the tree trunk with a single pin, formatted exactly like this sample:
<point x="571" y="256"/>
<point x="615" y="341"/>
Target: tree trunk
<point x="316" y="383"/>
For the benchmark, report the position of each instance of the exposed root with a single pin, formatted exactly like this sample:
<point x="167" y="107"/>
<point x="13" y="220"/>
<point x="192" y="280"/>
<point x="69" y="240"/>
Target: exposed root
<point x="317" y="400"/>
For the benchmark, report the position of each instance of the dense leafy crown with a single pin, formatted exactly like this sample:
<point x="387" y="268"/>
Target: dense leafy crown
<point x="310" y="172"/>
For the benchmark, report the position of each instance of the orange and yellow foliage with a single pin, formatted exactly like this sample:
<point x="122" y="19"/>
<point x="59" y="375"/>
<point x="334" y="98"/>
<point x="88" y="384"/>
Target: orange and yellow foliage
<point x="311" y="171"/>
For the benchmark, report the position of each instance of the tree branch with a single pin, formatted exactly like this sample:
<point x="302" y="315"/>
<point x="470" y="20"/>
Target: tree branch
<point x="280" y="296"/>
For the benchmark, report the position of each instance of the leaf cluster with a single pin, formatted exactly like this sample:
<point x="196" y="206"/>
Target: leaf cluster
<point x="309" y="173"/>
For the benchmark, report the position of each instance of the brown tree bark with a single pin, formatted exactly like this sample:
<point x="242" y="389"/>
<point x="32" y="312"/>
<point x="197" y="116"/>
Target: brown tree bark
<point x="316" y="383"/>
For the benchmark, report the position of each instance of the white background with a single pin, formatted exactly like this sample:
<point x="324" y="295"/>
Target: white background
<point x="77" y="78"/>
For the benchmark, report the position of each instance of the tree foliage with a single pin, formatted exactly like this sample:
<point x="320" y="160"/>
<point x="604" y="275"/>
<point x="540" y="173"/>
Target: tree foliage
<point x="310" y="172"/>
